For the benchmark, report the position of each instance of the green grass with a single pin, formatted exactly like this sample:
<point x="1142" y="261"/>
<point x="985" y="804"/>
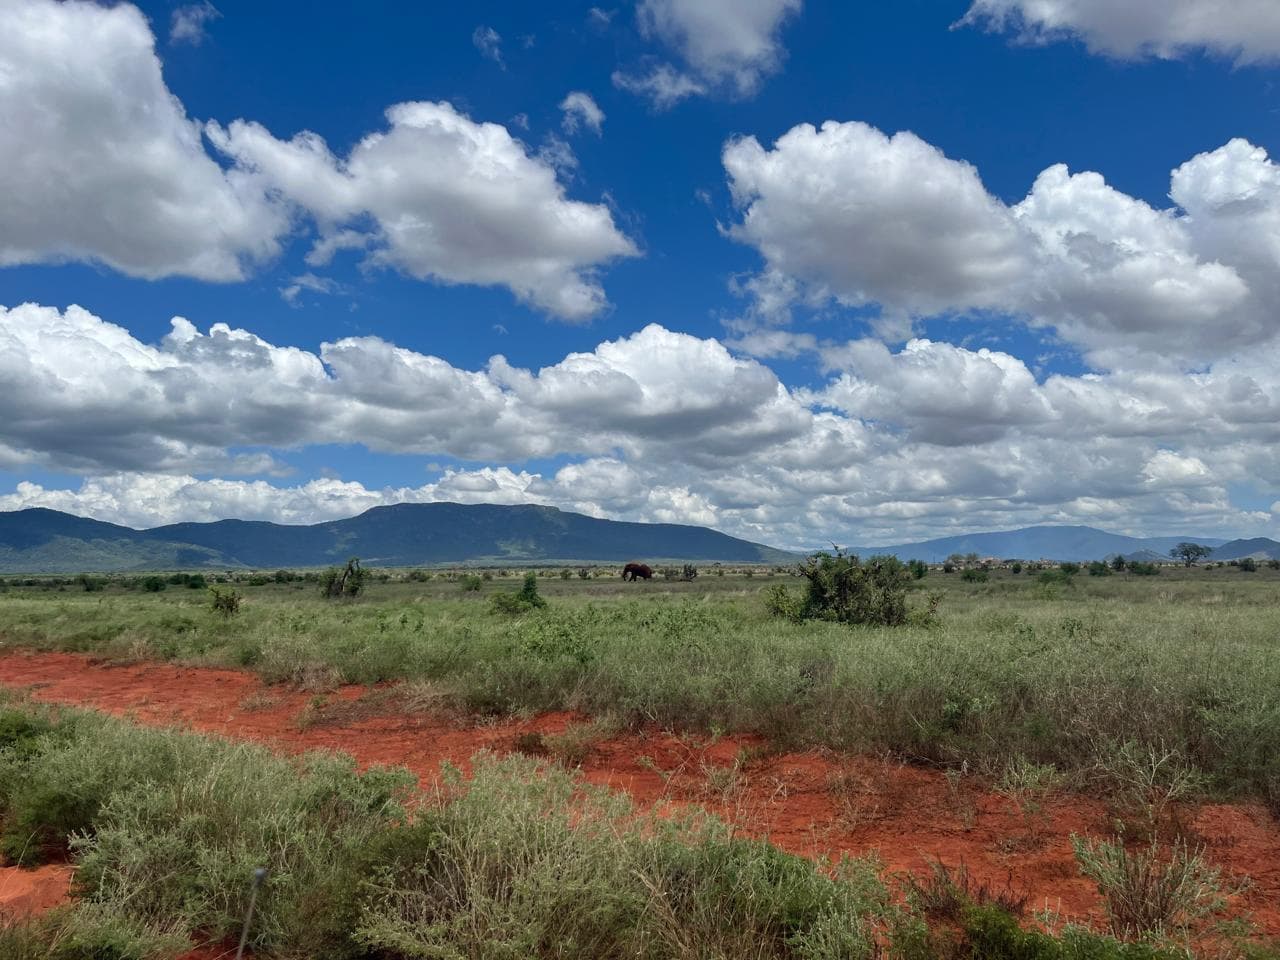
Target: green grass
<point x="1073" y="675"/>
<point x="521" y="860"/>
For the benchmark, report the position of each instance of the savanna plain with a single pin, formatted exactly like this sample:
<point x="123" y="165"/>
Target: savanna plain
<point x="482" y="764"/>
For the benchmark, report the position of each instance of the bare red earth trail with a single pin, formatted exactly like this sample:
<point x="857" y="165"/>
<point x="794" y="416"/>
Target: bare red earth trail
<point x="813" y="803"/>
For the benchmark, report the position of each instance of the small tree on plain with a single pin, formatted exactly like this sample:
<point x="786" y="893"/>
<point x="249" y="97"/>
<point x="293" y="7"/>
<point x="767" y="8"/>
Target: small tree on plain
<point x="347" y="582"/>
<point x="1190" y="553"/>
<point x="845" y="589"/>
<point x="227" y="604"/>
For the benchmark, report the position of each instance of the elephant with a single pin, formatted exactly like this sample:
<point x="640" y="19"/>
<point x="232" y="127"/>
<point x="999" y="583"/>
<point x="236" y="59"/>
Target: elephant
<point x="637" y="571"/>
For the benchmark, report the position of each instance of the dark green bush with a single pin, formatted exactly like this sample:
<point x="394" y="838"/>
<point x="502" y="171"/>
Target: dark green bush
<point x="343" y="583"/>
<point x="227" y="604"/>
<point x="842" y="588"/>
<point x="525" y="599"/>
<point x="975" y="575"/>
<point x="1059" y="577"/>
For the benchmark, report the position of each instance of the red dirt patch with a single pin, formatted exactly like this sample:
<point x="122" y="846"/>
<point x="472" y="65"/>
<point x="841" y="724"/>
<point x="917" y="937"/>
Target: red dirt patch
<point x="814" y="803"/>
<point x="24" y="893"/>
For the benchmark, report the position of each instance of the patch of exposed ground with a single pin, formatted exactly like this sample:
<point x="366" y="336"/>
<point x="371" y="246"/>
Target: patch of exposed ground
<point x="813" y="803"/>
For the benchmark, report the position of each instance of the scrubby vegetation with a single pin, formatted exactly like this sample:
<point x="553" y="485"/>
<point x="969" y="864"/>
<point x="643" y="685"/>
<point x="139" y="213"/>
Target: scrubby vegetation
<point x="520" y="860"/>
<point x="1069" y="673"/>
<point x="843" y="588"/>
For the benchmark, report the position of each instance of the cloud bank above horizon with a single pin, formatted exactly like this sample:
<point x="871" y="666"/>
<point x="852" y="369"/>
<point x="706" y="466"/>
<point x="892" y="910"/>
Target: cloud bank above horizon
<point x="899" y="343"/>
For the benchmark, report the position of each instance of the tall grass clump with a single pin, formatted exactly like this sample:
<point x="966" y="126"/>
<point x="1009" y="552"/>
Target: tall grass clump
<point x="539" y="866"/>
<point x="1154" y="891"/>
<point x="166" y="829"/>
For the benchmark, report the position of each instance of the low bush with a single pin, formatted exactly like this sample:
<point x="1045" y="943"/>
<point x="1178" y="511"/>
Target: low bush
<point x="523" y="600"/>
<point x="520" y="859"/>
<point x="343" y="582"/>
<point x="1154" y="891"/>
<point x="842" y="588"/>
<point x="227" y="604"/>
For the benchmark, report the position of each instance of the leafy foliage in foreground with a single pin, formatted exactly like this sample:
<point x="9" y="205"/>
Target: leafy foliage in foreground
<point x="520" y="860"/>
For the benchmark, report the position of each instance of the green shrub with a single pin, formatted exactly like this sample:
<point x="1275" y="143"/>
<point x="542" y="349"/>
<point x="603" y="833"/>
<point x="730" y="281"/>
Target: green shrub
<point x="974" y="575"/>
<point x="919" y="569"/>
<point x="1099" y="568"/>
<point x="540" y="866"/>
<point x="227" y="604"/>
<point x="1059" y="577"/>
<point x="89" y="931"/>
<point x="153" y="584"/>
<point x="470" y="583"/>
<point x="1153" y="891"/>
<point x="525" y="599"/>
<point x="842" y="588"/>
<point x="20" y="733"/>
<point x="344" y="583"/>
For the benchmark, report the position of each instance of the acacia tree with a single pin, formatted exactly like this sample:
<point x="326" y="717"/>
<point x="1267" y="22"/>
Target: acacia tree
<point x="335" y="583"/>
<point x="1190" y="553"/>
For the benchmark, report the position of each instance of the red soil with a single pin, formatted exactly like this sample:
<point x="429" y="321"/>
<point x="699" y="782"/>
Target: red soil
<point x="27" y="892"/>
<point x="814" y="803"/>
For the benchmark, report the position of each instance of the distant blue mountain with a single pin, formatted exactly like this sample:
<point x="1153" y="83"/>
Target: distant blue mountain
<point x="1260" y="548"/>
<point x="1076" y="544"/>
<point x="407" y="534"/>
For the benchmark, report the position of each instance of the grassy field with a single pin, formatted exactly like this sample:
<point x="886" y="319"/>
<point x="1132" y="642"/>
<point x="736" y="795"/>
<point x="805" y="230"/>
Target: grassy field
<point x="1172" y="679"/>
<point x="521" y="860"/>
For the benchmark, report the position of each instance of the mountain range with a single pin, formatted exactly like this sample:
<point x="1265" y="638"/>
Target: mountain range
<point x="1073" y="543"/>
<point x="411" y="534"/>
<point x="423" y="534"/>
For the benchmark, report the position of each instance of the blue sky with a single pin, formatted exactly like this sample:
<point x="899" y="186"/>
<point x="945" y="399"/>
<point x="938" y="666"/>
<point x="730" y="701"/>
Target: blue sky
<point x="799" y="271"/>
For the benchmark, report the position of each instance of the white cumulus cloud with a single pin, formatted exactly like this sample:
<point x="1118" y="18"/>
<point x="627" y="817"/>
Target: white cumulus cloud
<point x="658" y="425"/>
<point x="725" y="46"/>
<point x="454" y="200"/>
<point x="100" y="163"/>
<point x="847" y="212"/>
<point x="1245" y="30"/>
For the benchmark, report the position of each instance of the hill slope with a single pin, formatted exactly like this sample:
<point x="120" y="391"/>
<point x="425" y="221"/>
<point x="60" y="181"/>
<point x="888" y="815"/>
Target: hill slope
<point x="1034" y="543"/>
<point x="46" y="541"/>
<point x="1260" y="548"/>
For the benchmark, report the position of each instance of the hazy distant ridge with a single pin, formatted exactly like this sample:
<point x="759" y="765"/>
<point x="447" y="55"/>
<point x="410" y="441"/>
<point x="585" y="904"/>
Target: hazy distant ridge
<point x="47" y="541"/>
<point x="1073" y="543"/>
